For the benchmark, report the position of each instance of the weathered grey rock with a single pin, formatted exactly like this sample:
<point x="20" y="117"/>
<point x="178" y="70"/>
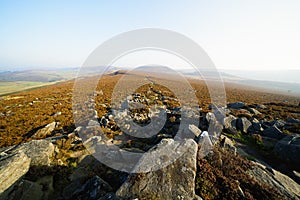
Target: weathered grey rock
<point x="273" y="132"/>
<point x="92" y="189"/>
<point x="56" y="114"/>
<point x="236" y="105"/>
<point x="230" y="124"/>
<point x="254" y="111"/>
<point x="256" y="126"/>
<point x="278" y="123"/>
<point x="12" y="168"/>
<point x="44" y="132"/>
<point x="40" y="152"/>
<point x="93" y="123"/>
<point x="205" y="145"/>
<point x="243" y="124"/>
<point x="227" y="143"/>
<point x="287" y="182"/>
<point x="293" y="121"/>
<point x="261" y="106"/>
<point x="195" y="130"/>
<point x="285" y="185"/>
<point x="210" y="117"/>
<point x="289" y="148"/>
<point x="297" y="176"/>
<point x="174" y="181"/>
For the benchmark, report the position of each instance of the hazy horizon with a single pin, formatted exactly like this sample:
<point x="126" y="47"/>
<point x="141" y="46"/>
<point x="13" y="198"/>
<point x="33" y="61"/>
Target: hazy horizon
<point x="236" y="35"/>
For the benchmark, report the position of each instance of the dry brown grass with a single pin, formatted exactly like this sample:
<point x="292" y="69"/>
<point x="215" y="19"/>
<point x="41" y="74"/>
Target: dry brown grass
<point x="26" y="112"/>
<point x="220" y="174"/>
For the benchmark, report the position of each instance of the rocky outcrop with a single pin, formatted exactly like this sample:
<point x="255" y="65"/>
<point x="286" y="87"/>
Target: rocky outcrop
<point x="15" y="161"/>
<point x="285" y="185"/>
<point x="289" y="148"/>
<point x="174" y="181"/>
<point x="12" y="168"/>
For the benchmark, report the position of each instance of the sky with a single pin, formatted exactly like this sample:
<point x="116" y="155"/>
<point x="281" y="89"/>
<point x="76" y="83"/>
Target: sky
<point x="243" y="35"/>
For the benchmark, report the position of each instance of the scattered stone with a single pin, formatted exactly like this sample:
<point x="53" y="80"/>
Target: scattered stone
<point x="98" y="93"/>
<point x="273" y="132"/>
<point x="210" y="117"/>
<point x="174" y="181"/>
<point x="293" y="121"/>
<point x="256" y="126"/>
<point x="227" y="143"/>
<point x="296" y="175"/>
<point x="236" y="105"/>
<point x="254" y="111"/>
<point x="205" y="145"/>
<point x="103" y="122"/>
<point x="44" y="132"/>
<point x="278" y="123"/>
<point x="230" y="124"/>
<point x="195" y="130"/>
<point x="261" y="106"/>
<point x="243" y="124"/>
<point x="56" y="114"/>
<point x="12" y="168"/>
<point x="240" y="191"/>
<point x="289" y="148"/>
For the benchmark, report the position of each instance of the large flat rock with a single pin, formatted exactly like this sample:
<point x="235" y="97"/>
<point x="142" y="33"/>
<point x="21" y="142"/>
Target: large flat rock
<point x="40" y="152"/>
<point x="176" y="180"/>
<point x="282" y="183"/>
<point x="12" y="168"/>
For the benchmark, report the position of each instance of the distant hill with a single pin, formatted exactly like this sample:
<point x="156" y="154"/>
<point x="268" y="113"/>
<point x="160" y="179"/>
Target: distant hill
<point x="288" y="76"/>
<point x="38" y="75"/>
<point x="276" y="81"/>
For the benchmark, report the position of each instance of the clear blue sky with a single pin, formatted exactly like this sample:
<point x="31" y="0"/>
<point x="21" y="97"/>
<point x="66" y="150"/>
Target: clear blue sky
<point x="237" y="34"/>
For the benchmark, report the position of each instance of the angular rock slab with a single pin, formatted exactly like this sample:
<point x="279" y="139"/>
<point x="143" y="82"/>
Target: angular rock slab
<point x="230" y="124"/>
<point x="243" y="124"/>
<point x="40" y="152"/>
<point x="282" y="183"/>
<point x="273" y="132"/>
<point x="289" y="148"/>
<point x="44" y="132"/>
<point x="12" y="168"/>
<point x="174" y="181"/>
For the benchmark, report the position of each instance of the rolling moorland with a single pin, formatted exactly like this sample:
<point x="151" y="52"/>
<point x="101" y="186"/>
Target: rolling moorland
<point x="256" y="157"/>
